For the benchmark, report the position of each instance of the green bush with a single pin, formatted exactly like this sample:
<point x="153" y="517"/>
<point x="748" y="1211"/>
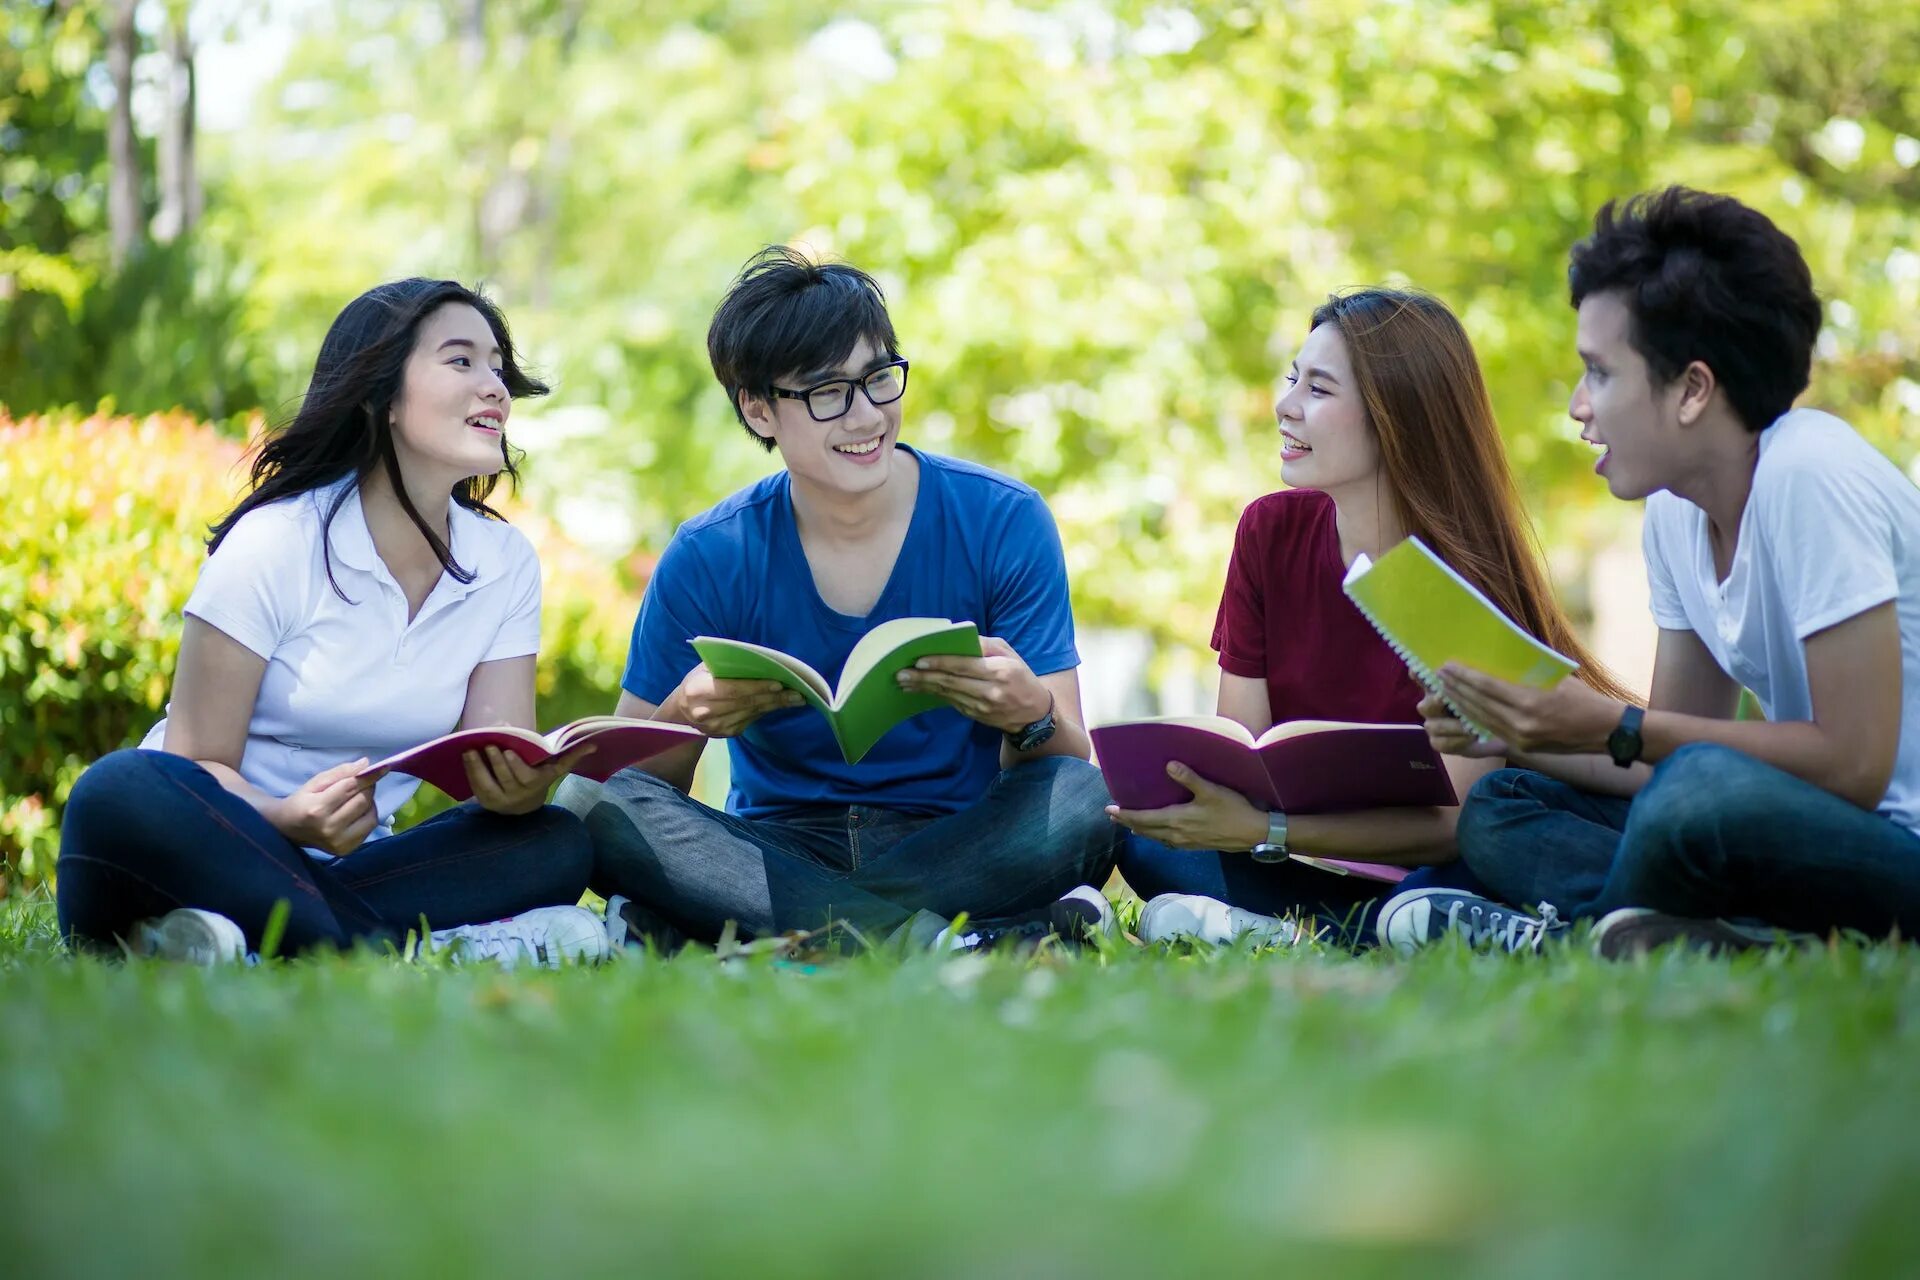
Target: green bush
<point x="101" y="536"/>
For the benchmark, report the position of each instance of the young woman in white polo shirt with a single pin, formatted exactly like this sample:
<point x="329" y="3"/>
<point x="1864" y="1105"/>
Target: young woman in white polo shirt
<point x="361" y="599"/>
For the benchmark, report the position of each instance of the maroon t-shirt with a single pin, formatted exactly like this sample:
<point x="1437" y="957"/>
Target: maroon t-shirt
<point x="1283" y="618"/>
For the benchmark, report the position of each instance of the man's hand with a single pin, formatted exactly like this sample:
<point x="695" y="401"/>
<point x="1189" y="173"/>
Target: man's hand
<point x="724" y="708"/>
<point x="1450" y="735"/>
<point x="996" y="689"/>
<point x="504" y="783"/>
<point x="332" y="810"/>
<point x="1569" y="718"/>
<point x="1216" y="817"/>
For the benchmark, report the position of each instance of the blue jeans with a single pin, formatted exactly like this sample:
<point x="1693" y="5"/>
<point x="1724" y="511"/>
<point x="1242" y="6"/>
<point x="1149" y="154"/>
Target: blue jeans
<point x="1348" y="907"/>
<point x="146" y="832"/>
<point x="1039" y="830"/>
<point x="1714" y="833"/>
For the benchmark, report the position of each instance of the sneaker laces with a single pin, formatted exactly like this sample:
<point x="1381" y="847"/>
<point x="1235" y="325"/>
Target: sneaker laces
<point x="509" y="940"/>
<point x="1503" y="927"/>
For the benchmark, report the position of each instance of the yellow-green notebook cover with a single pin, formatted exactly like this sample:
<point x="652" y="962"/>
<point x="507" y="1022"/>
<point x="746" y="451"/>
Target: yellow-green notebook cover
<point x="1432" y="616"/>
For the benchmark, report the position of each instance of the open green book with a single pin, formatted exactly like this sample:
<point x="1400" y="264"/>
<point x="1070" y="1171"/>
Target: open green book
<point x="1432" y="616"/>
<point x="869" y="700"/>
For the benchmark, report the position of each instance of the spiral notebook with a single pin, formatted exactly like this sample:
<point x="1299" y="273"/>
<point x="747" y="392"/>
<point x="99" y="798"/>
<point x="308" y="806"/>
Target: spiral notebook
<point x="1432" y="616"/>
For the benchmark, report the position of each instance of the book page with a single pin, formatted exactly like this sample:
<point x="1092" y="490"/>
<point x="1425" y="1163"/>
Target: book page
<point x="453" y="745"/>
<point x="871" y="700"/>
<point x="1300" y="728"/>
<point x="574" y="731"/>
<point x="1222" y="725"/>
<point x="878" y="645"/>
<point x="739" y="660"/>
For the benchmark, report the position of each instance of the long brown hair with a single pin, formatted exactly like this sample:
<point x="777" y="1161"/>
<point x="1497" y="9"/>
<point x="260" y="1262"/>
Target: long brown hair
<point x="1442" y="458"/>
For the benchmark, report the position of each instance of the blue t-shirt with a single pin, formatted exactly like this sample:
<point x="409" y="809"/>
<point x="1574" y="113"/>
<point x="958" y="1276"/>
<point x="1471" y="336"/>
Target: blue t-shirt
<point x="980" y="548"/>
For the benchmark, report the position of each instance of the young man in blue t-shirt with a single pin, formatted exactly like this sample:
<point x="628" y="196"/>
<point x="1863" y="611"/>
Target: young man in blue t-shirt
<point x="1783" y="555"/>
<point x="989" y="808"/>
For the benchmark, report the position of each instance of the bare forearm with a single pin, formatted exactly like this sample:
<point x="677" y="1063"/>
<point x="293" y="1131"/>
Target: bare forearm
<point x="267" y="806"/>
<point x="1412" y="837"/>
<point x="677" y="766"/>
<point x="1586" y="771"/>
<point x="1068" y="739"/>
<point x="1799" y="747"/>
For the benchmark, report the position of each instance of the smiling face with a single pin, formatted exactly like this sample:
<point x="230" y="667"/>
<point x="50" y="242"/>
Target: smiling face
<point x="450" y="417"/>
<point x="1636" y="424"/>
<point x="851" y="455"/>
<point x="1326" y="441"/>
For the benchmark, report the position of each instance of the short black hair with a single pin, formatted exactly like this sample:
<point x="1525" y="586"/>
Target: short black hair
<point x="787" y="316"/>
<point x="1706" y="278"/>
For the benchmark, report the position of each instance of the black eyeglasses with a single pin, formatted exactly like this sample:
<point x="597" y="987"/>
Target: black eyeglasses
<point x="829" y="400"/>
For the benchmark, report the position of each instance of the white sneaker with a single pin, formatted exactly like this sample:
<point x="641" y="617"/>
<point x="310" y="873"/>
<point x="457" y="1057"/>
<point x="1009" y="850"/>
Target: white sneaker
<point x="614" y="922"/>
<point x="1195" y="918"/>
<point x="546" y="936"/>
<point x="189" y="936"/>
<point x="1082" y="913"/>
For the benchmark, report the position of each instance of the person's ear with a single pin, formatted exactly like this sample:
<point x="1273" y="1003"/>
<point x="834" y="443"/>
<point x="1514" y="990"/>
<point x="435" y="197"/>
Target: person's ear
<point x="1697" y="385"/>
<point x="757" y="413"/>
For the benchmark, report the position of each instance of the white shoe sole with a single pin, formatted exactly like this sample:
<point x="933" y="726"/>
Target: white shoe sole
<point x="1192" y="917"/>
<point x="190" y="936"/>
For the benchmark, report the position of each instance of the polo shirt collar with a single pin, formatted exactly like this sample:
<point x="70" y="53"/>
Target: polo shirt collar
<point x="352" y="542"/>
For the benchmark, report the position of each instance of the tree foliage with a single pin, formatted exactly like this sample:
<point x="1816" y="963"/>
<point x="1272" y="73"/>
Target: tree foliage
<point x="1102" y="222"/>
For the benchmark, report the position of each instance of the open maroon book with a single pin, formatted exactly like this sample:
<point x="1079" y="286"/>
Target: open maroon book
<point x="618" y="741"/>
<point x="1302" y="766"/>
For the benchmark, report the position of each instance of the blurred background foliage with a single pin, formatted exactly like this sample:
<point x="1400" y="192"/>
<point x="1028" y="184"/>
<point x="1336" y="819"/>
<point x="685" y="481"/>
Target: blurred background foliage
<point x="1102" y="225"/>
<point x="96" y="570"/>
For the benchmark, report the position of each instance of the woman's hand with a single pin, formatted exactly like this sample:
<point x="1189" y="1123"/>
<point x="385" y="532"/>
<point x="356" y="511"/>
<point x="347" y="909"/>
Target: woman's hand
<point x="724" y="708"/>
<point x="333" y="810"/>
<point x="1216" y="817"/>
<point x="997" y="688"/>
<point x="504" y="783"/>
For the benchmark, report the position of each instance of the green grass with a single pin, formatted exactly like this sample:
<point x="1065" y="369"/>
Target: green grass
<point x="1128" y="1113"/>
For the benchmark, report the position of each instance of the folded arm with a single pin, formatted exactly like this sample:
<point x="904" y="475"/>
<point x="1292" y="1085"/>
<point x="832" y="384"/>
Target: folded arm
<point x="1854" y="675"/>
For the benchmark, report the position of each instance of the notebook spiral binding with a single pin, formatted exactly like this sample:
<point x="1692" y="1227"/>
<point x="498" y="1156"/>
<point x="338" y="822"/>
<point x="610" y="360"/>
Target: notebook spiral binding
<point x="1422" y="672"/>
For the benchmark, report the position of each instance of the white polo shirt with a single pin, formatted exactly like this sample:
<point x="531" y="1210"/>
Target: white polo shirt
<point x="351" y="678"/>
<point x="1831" y="529"/>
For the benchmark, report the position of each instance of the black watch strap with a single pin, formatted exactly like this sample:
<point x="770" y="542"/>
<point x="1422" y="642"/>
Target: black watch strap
<point x="1033" y="735"/>
<point x="1624" y="744"/>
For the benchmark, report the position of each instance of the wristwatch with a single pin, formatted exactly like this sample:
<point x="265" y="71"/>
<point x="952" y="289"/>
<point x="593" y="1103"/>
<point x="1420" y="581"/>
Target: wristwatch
<point x="1624" y="743"/>
<point x="1274" y="847"/>
<point x="1031" y="736"/>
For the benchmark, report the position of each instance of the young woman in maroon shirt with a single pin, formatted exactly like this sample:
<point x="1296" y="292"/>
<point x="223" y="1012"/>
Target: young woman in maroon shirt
<point x="1386" y="430"/>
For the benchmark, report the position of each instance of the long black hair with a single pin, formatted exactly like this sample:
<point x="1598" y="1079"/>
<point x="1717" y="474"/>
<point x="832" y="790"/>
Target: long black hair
<point x="342" y="427"/>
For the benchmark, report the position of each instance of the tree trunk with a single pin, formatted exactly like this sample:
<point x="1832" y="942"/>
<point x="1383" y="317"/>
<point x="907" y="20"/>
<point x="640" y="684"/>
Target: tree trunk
<point x="180" y="202"/>
<point x="123" y="150"/>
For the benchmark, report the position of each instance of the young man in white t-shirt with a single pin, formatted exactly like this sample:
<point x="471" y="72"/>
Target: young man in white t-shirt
<point x="1783" y="554"/>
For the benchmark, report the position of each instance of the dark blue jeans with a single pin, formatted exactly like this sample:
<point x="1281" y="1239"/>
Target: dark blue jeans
<point x="1714" y="833"/>
<point x="1346" y="906"/>
<point x="1040" y="830"/>
<point x="146" y="832"/>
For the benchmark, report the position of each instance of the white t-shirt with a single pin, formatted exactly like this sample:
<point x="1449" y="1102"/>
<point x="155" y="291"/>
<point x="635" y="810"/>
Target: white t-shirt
<point x="351" y="678"/>
<point x="1831" y="529"/>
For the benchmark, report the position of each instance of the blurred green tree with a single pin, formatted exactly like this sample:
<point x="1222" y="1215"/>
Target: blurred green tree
<point x="1102" y="223"/>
